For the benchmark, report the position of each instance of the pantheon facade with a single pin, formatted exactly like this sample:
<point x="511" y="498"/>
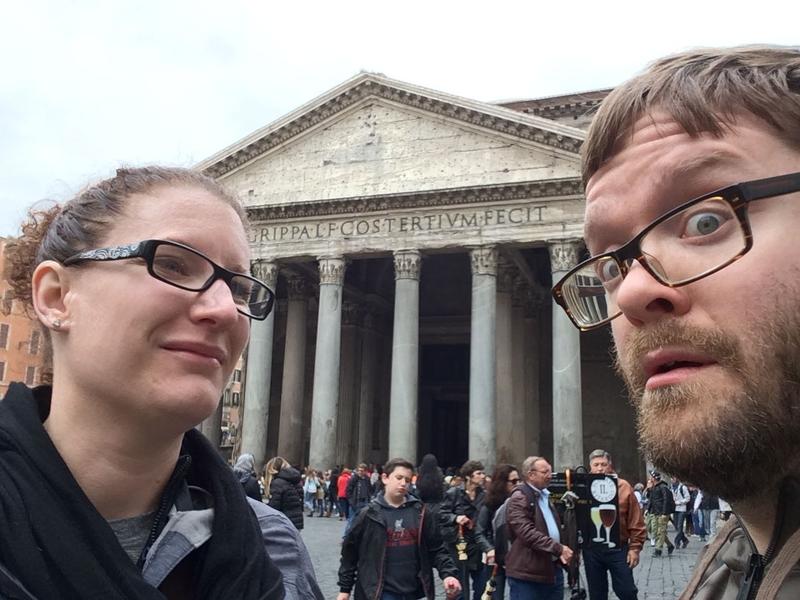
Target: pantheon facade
<point x="412" y="237"/>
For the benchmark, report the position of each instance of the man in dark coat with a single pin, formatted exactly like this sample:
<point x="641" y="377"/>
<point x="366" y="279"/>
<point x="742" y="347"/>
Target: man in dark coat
<point x="359" y="493"/>
<point x="533" y="563"/>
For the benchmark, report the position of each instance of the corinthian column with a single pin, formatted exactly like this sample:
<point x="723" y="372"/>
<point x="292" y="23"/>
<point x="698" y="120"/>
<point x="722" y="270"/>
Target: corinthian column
<point x="293" y="389"/>
<point x="325" y="395"/>
<point x="506" y="417"/>
<point x="567" y="409"/>
<point x="258" y="379"/>
<point x="482" y="373"/>
<point x="405" y="357"/>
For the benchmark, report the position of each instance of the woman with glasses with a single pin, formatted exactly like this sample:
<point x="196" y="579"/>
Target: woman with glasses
<point x="141" y="286"/>
<point x="504" y="479"/>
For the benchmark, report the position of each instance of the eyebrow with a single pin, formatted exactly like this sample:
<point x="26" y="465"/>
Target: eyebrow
<point x="686" y="168"/>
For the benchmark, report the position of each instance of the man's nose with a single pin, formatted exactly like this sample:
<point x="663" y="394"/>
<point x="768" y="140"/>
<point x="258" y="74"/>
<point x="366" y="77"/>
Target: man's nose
<point x="642" y="298"/>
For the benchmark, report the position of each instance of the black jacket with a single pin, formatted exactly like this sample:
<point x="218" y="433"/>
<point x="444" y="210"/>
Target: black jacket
<point x="455" y="503"/>
<point x="364" y="552"/>
<point x="659" y="503"/>
<point x="286" y="495"/>
<point x="359" y="491"/>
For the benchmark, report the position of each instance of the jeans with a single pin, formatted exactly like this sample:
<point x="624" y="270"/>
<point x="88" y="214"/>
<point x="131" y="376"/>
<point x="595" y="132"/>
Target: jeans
<point x="680" y="537"/>
<point x="354" y="510"/>
<point x="344" y="508"/>
<point x="530" y="590"/>
<point x="614" y="561"/>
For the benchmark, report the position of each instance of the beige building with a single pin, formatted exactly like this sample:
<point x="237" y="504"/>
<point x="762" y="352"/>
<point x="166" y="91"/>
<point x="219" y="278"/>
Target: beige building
<point x="412" y="237"/>
<point x="21" y="341"/>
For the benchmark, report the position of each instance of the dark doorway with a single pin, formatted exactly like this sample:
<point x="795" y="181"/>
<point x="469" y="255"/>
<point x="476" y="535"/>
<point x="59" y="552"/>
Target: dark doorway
<point x="444" y="403"/>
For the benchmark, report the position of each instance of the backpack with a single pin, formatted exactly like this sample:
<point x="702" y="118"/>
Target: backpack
<point x="500" y="531"/>
<point x="669" y="504"/>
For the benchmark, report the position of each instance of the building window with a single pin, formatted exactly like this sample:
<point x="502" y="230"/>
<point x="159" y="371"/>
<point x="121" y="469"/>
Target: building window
<point x="226" y="397"/>
<point x="235" y="399"/>
<point x="8" y="297"/>
<point x="2" y="371"/>
<point x="4" y="335"/>
<point x="36" y="336"/>
<point x="237" y="375"/>
<point x="30" y="375"/>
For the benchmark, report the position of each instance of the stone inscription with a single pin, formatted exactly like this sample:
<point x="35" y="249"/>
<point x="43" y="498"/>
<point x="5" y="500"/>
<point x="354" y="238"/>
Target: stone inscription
<point x="381" y="226"/>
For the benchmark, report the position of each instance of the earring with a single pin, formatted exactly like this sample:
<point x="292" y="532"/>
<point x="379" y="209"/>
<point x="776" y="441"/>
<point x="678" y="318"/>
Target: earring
<point x="57" y="324"/>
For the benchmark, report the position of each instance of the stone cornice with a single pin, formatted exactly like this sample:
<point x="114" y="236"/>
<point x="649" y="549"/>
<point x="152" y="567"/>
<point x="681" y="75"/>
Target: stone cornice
<point x="363" y="87"/>
<point x="454" y="196"/>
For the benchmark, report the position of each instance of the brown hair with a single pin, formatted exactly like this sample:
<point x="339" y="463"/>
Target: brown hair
<point x="58" y="232"/>
<point x="390" y="466"/>
<point x="703" y="91"/>
<point x="469" y="467"/>
<point x="497" y="491"/>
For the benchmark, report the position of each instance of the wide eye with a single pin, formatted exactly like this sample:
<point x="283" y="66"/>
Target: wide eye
<point x="607" y="270"/>
<point x="702" y="224"/>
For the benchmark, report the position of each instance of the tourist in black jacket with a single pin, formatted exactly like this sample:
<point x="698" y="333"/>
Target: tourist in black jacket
<point x="284" y="489"/>
<point x="394" y="544"/>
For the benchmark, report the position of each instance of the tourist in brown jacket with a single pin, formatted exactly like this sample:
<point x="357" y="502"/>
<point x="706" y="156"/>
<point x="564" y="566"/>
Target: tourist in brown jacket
<point x="533" y="563"/>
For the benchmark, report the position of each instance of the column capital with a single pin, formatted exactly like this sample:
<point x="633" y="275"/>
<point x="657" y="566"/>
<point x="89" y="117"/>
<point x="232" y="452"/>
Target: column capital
<point x="331" y="270"/>
<point x="407" y="264"/>
<point x="266" y="271"/>
<point x="563" y="254"/>
<point x="297" y="288"/>
<point x="484" y="260"/>
<point x="505" y="275"/>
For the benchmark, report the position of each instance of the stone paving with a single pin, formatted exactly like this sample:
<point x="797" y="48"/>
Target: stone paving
<point x="656" y="578"/>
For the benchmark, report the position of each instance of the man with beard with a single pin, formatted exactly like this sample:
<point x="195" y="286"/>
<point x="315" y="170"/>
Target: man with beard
<point x="692" y="174"/>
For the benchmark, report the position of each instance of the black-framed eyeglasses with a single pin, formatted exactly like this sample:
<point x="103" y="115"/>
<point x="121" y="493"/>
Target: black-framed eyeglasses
<point x="186" y="268"/>
<point x="687" y="243"/>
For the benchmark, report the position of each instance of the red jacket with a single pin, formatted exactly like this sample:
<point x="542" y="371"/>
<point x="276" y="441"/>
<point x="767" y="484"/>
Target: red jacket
<point x="341" y="484"/>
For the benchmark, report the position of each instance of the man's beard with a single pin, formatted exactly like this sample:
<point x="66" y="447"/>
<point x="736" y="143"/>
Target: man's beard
<point x="734" y="440"/>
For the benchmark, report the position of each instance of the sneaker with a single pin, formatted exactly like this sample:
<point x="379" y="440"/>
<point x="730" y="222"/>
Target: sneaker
<point x="657" y="553"/>
<point x="670" y="550"/>
<point x="652" y="543"/>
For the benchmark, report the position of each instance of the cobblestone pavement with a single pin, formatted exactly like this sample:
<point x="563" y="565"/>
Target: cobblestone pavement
<point x="656" y="578"/>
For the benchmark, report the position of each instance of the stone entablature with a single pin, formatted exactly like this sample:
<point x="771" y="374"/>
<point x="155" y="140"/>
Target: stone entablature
<point x="524" y="221"/>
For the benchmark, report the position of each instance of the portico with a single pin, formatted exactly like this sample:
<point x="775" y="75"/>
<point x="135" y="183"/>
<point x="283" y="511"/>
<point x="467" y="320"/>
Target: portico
<point x="412" y="237"/>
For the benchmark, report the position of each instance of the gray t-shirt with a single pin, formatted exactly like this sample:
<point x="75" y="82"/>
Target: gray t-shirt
<point x="132" y="533"/>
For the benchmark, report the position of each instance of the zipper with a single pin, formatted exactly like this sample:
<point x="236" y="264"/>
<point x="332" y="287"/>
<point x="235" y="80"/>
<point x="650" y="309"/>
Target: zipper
<point x="758" y="563"/>
<point x="165" y="504"/>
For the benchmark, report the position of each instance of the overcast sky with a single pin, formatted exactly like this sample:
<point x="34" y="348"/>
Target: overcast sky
<point x="88" y="85"/>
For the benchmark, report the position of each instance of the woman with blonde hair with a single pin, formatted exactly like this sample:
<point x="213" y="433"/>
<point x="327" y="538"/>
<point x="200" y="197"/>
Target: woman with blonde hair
<point x="284" y="489"/>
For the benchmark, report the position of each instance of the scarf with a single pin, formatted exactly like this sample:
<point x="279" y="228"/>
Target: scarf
<point x="57" y="545"/>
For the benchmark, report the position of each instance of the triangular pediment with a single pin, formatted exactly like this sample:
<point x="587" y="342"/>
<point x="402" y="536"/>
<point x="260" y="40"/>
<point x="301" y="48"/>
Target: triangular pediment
<point x="375" y="136"/>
